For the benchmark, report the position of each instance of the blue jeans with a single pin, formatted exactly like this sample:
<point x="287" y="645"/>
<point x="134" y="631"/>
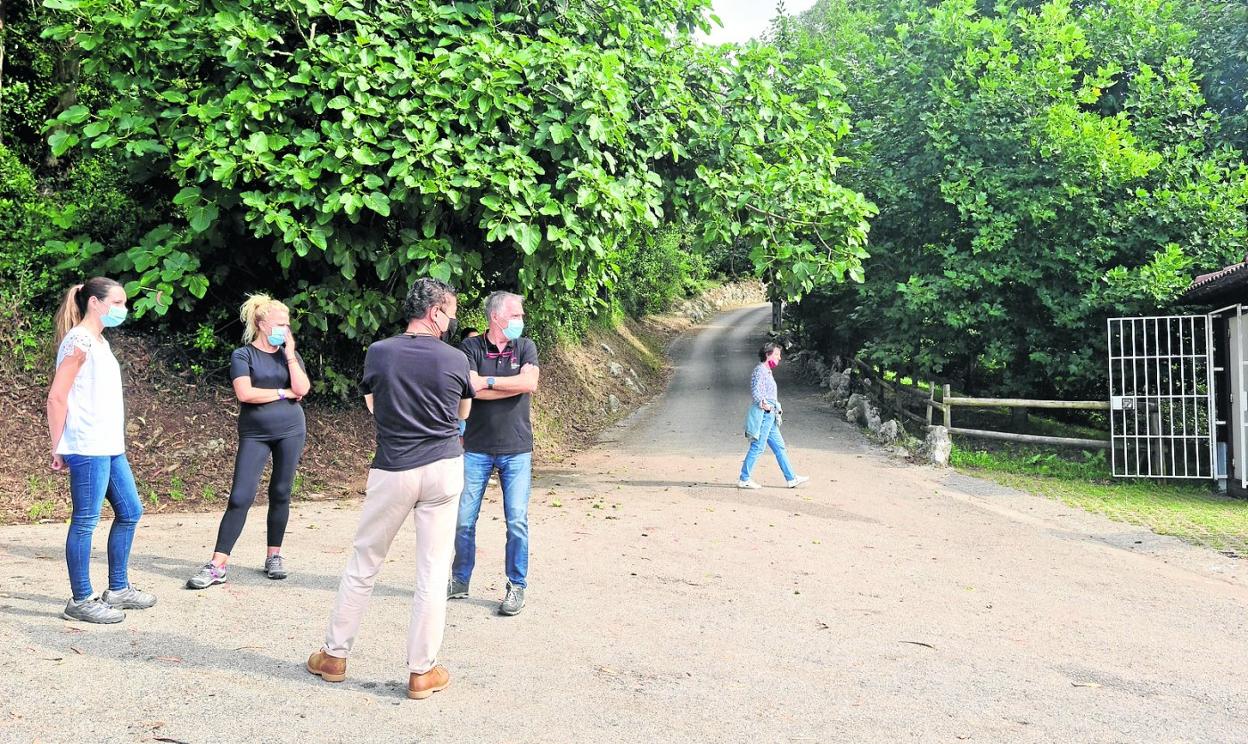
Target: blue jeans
<point x="515" y="472"/>
<point x="768" y="436"/>
<point x="91" y="480"/>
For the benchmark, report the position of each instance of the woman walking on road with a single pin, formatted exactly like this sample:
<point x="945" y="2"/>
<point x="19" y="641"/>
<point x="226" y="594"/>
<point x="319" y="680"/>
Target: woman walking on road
<point x="87" y="423"/>
<point x="269" y="381"/>
<point x="762" y="422"/>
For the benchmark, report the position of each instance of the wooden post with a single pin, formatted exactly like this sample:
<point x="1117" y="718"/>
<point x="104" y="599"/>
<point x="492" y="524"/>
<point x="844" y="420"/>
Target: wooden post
<point x="1018" y="419"/>
<point x="931" y="399"/>
<point x="948" y="410"/>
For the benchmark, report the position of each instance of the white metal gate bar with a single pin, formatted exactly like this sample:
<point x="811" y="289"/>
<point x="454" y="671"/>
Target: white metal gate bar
<point x="1161" y="397"/>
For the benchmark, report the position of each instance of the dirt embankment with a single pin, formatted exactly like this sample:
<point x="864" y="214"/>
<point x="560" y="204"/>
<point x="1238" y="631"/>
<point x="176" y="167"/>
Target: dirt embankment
<point x="182" y="435"/>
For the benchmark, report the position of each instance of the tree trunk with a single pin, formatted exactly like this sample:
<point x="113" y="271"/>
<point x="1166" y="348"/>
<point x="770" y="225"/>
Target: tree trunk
<point x="68" y="69"/>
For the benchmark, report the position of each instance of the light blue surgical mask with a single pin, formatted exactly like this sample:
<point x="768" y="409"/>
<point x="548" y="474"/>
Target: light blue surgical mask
<point x="514" y="329"/>
<point x="278" y="336"/>
<point x="114" y="317"/>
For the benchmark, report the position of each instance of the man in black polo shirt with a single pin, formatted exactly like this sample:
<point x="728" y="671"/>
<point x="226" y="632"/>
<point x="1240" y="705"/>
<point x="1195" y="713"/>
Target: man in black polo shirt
<point x="498" y="435"/>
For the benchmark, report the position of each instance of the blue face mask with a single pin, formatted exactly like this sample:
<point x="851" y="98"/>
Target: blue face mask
<point x="114" y="317"/>
<point x="278" y="336"/>
<point x="514" y="329"/>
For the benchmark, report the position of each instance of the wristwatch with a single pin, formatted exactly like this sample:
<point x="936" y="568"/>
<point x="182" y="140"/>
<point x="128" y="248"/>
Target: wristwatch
<point x="489" y="383"/>
<point x="281" y="394"/>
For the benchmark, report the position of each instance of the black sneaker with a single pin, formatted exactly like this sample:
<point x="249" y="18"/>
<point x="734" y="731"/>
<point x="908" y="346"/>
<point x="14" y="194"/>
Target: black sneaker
<point x="456" y="589"/>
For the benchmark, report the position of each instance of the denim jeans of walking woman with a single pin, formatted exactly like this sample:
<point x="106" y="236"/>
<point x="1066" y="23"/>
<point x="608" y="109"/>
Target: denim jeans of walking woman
<point x="92" y="479"/>
<point x="768" y="436"/>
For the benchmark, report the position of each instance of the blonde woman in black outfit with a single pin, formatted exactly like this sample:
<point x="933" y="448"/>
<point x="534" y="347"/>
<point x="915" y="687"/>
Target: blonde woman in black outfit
<point x="269" y="380"/>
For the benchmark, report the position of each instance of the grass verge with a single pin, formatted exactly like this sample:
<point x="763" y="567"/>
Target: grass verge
<point x="1188" y="510"/>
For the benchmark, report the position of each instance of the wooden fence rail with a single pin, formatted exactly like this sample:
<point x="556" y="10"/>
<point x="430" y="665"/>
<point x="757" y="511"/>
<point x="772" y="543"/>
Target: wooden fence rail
<point x="947" y="402"/>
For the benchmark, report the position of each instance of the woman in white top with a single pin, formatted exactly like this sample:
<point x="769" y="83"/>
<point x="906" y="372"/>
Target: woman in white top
<point x="87" y="422"/>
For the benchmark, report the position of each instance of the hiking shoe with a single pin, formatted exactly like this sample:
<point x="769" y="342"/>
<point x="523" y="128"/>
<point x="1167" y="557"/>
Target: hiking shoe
<point x="328" y="668"/>
<point x="797" y="481"/>
<point x="421" y="686"/>
<point x="748" y="484"/>
<point x="92" y="611"/>
<point x="456" y="589"/>
<point x="273" y="567"/>
<point x="208" y="575"/>
<point x="128" y="599"/>
<point x="513" y="602"/>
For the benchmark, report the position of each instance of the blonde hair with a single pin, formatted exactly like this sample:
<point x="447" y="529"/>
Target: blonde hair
<point x="255" y="309"/>
<point x="74" y="303"/>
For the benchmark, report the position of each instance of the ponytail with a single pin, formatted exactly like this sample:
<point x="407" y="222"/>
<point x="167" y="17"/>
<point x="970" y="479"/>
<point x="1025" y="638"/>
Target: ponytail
<point x="74" y="304"/>
<point x="253" y="311"/>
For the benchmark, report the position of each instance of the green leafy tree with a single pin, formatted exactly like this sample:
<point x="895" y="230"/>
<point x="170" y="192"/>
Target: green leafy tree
<point x="341" y="147"/>
<point x="1038" y="168"/>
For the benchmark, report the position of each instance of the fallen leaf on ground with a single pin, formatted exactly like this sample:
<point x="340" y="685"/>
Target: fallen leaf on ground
<point x="1085" y="684"/>
<point x="919" y="643"/>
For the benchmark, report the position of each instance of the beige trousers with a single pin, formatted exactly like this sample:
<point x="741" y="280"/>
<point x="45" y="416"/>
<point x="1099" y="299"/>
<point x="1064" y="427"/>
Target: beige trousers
<point x="430" y="494"/>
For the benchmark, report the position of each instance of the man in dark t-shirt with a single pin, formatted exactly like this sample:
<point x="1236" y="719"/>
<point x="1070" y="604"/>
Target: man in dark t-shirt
<point x="499" y="434"/>
<point x="418" y="389"/>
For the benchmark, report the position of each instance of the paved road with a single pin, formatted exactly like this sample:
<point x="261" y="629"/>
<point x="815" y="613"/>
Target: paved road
<point x="881" y="602"/>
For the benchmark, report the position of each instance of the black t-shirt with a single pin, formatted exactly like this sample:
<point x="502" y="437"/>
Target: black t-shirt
<point x="417" y="383"/>
<point x="275" y="420"/>
<point x="500" y="427"/>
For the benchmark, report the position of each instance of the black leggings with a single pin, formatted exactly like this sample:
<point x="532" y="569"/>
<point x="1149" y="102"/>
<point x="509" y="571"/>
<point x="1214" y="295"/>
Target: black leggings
<point x="248" y="465"/>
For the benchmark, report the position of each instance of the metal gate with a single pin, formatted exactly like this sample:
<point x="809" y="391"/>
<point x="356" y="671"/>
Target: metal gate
<point x="1161" y="397"/>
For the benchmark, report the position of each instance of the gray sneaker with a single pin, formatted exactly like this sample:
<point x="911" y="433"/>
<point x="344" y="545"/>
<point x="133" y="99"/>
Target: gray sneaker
<point x="513" y="602"/>
<point x="207" y="576"/>
<point x="456" y="589"/>
<point x="92" y="611"/>
<point x="273" y="567"/>
<point x="128" y="599"/>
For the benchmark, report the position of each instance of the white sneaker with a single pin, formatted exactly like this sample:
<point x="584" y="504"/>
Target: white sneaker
<point x="748" y="484"/>
<point x="797" y="481"/>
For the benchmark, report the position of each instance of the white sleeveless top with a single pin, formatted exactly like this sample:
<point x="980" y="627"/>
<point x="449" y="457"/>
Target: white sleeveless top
<point x="95" y="423"/>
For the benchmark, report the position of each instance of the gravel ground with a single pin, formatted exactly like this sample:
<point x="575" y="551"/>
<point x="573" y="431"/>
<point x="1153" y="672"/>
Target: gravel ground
<point x="880" y="602"/>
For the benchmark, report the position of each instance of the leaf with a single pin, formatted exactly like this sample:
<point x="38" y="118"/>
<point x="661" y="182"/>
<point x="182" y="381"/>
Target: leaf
<point x="74" y="115"/>
<point x="202" y="217"/>
<point x="378" y="202"/>
<point x="528" y="237"/>
<point x="318" y="238"/>
<point x="188" y="195"/>
<point x="61" y="141"/>
<point x="596" y="130"/>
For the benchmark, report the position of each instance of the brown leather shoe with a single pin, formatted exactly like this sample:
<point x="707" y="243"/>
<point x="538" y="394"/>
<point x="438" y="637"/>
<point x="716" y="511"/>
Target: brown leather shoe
<point x="328" y="668"/>
<point x="421" y="686"/>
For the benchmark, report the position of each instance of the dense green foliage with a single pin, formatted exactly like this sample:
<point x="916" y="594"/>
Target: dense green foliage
<point x="334" y="150"/>
<point x="1038" y="167"/>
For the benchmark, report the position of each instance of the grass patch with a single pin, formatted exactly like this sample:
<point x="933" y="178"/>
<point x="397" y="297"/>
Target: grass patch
<point x="1188" y="510"/>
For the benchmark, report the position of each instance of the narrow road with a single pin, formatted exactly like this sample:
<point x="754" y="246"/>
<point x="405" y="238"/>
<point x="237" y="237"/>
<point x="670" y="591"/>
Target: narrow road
<point x="880" y="602"/>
